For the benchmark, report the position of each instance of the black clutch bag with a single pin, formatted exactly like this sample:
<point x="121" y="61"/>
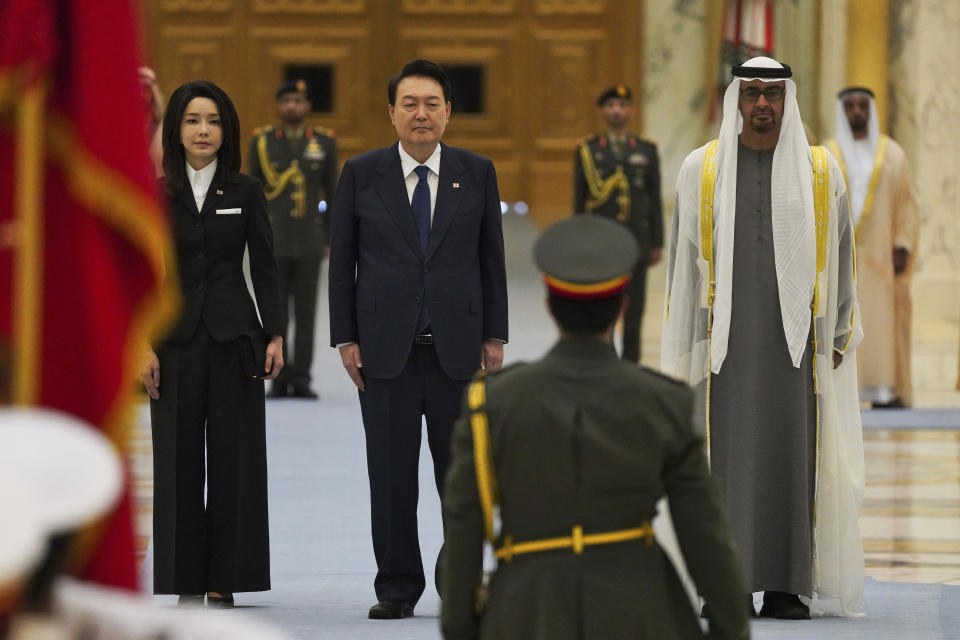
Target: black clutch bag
<point x="253" y="354"/>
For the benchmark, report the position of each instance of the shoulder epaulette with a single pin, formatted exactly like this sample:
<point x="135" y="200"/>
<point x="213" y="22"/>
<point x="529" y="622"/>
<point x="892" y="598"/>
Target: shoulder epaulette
<point x="586" y="140"/>
<point x="323" y="131"/>
<point x="642" y="139"/>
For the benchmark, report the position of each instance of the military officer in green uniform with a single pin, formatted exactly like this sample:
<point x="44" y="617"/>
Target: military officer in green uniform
<point x="298" y="166"/>
<point x="617" y="175"/>
<point x="573" y="452"/>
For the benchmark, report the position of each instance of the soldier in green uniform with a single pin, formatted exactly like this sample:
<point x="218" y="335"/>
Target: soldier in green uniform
<point x="574" y="451"/>
<point x="617" y="175"/>
<point x="298" y="166"/>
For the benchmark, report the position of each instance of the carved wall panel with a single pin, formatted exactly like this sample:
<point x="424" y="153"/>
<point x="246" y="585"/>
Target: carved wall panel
<point x="460" y="7"/>
<point x="571" y="7"/>
<point x="569" y="63"/>
<point x="490" y="49"/>
<point x="334" y="7"/>
<point x="197" y="6"/>
<point x="270" y="49"/>
<point x="196" y="53"/>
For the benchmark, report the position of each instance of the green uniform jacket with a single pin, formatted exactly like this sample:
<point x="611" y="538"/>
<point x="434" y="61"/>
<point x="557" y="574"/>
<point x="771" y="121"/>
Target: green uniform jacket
<point x="299" y="228"/>
<point x="581" y="437"/>
<point x="639" y="206"/>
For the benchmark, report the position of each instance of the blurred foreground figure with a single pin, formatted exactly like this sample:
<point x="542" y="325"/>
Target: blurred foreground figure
<point x="575" y="450"/>
<point x="60" y="476"/>
<point x="762" y="320"/>
<point x="886" y="225"/>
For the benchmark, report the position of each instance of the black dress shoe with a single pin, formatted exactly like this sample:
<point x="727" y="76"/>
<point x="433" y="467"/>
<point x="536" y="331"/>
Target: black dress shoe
<point x="783" y="606"/>
<point x="305" y="392"/>
<point x="224" y="601"/>
<point x="390" y="610"/>
<point x="896" y="403"/>
<point x="277" y="390"/>
<point x="705" y="609"/>
<point x="188" y="601"/>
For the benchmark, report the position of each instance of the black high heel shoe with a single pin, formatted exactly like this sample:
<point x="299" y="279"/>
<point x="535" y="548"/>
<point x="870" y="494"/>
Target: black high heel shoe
<point x="224" y="601"/>
<point x="190" y="601"/>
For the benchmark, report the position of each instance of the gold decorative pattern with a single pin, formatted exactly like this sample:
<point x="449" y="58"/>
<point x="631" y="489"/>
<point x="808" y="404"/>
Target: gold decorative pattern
<point x="570" y="7"/>
<point x="333" y="7"/>
<point x="459" y="7"/>
<point x="197" y="6"/>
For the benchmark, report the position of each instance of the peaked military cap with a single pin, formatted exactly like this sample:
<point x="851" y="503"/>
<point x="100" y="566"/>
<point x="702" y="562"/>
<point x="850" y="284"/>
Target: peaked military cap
<point x="291" y="86"/>
<point x="72" y="470"/>
<point x="586" y="257"/>
<point x="617" y="91"/>
<point x="23" y="538"/>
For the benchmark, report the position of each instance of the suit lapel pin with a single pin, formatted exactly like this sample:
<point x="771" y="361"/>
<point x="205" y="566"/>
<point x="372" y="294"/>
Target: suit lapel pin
<point x="219" y="192"/>
<point x="456" y="186"/>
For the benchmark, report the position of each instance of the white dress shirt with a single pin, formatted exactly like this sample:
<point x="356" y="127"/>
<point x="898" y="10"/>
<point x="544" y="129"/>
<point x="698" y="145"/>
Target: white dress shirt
<point x="200" y="181"/>
<point x="407" y="166"/>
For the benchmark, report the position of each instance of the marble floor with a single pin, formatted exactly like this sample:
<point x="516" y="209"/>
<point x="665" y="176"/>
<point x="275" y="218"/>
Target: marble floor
<point x="910" y="518"/>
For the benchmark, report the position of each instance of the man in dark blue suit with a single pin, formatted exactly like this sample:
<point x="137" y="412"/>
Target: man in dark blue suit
<point x="418" y="287"/>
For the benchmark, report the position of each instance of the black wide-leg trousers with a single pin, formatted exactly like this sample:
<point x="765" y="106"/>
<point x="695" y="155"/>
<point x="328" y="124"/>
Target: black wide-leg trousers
<point x="392" y="411"/>
<point x="207" y="403"/>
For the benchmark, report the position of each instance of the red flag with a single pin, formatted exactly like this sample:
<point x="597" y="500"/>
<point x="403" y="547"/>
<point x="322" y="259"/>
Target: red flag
<point x="82" y="235"/>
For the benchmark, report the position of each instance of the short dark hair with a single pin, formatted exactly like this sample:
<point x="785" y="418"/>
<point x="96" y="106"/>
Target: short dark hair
<point x="424" y="68"/>
<point x="174" y="160"/>
<point x="584" y="317"/>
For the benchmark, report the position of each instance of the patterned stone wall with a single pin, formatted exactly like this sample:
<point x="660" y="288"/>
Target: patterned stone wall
<point x="924" y="112"/>
<point x="674" y="100"/>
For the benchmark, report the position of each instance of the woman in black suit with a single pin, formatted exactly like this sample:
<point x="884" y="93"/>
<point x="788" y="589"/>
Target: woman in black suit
<point x="207" y="395"/>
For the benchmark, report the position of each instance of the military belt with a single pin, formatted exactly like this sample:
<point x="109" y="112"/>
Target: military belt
<point x="575" y="541"/>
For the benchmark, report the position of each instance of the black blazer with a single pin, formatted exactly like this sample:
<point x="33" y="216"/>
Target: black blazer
<point x="209" y="259"/>
<point x="379" y="276"/>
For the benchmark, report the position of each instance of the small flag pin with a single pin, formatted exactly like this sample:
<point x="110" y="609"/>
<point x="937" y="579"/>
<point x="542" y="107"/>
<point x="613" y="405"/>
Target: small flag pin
<point x="219" y="192"/>
<point x="456" y="186"/>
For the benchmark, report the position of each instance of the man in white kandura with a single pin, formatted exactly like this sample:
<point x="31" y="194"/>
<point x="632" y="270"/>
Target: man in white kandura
<point x="762" y="319"/>
<point x="885" y="220"/>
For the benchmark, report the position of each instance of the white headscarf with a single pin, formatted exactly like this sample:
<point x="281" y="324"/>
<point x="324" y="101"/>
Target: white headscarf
<point x="844" y="137"/>
<point x="794" y="236"/>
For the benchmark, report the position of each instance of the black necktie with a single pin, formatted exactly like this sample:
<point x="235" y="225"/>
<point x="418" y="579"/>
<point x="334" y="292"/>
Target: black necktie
<point x="421" y="206"/>
<point x="421" y="215"/>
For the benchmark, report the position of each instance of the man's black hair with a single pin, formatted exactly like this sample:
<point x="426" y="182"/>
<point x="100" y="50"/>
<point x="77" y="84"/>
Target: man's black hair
<point x="426" y="69"/>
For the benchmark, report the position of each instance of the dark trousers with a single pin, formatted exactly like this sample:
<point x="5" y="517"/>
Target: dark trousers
<point x="299" y="280"/>
<point x="205" y="399"/>
<point x="392" y="421"/>
<point x="633" y="316"/>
